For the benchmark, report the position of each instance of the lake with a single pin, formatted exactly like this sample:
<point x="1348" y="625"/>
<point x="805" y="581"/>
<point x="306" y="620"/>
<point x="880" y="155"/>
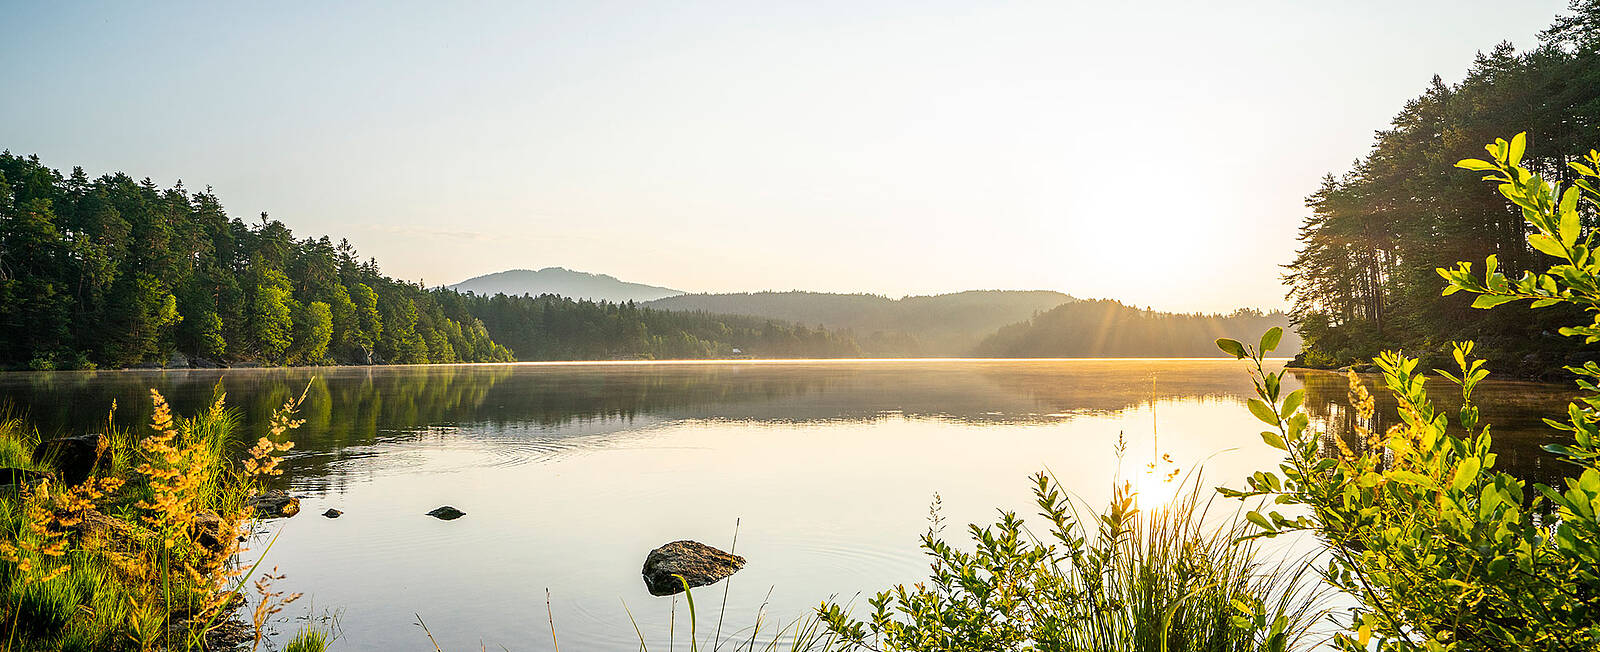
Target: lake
<point x="570" y="473"/>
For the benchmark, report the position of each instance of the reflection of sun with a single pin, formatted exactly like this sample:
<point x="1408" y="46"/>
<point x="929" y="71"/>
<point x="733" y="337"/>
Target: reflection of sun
<point x="1154" y="488"/>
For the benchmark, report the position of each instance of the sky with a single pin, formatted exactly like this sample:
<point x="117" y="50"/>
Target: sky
<point x="1158" y="153"/>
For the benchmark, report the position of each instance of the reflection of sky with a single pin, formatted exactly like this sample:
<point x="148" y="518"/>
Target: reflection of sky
<point x="826" y="507"/>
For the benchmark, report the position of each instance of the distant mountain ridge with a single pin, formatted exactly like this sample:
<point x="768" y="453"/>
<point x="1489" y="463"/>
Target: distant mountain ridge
<point x="937" y="325"/>
<point x="565" y="282"/>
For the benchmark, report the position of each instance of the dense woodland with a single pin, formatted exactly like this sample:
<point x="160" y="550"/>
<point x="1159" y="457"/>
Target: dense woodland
<point x="1364" y="277"/>
<point x="116" y="272"/>
<point x="1104" y="328"/>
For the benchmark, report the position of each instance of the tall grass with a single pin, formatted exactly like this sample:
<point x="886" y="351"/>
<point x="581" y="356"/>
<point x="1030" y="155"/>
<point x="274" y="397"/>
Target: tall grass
<point x="1166" y="578"/>
<point x="139" y="556"/>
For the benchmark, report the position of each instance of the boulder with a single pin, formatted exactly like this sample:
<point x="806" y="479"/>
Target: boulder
<point x="447" y="513"/>
<point x="211" y="532"/>
<point x="100" y="531"/>
<point x="74" y="457"/>
<point x="698" y="563"/>
<point x="333" y="513"/>
<point x="177" y="360"/>
<point x="276" y="503"/>
<point x="12" y="476"/>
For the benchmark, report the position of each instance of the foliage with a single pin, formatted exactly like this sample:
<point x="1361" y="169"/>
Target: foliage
<point x="549" y="327"/>
<point x="139" y="555"/>
<point x="75" y="294"/>
<point x="1442" y="551"/>
<point x="116" y="272"/>
<point x="1157" y="579"/>
<point x="1363" y="279"/>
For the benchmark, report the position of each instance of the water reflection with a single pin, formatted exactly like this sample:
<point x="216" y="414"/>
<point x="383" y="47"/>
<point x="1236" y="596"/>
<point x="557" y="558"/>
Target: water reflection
<point x="570" y="473"/>
<point x="350" y="409"/>
<point x="1515" y="410"/>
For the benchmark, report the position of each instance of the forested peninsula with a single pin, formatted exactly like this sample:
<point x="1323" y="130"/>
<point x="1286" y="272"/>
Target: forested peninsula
<point x="117" y="272"/>
<point x="1364" y="278"/>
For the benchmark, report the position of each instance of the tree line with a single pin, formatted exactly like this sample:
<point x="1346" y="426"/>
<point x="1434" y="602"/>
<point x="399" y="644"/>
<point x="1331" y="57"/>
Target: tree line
<point x="118" y="272"/>
<point x="1104" y="328"/>
<point x="1363" y="279"/>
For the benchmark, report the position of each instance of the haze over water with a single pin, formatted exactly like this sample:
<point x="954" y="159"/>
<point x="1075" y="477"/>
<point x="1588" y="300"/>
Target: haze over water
<point x="570" y="473"/>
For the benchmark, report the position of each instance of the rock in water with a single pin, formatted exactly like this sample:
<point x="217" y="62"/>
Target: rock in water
<point x="76" y="457"/>
<point x="698" y="563"/>
<point x="447" y="513"/>
<point x="333" y="513"/>
<point x="276" y="503"/>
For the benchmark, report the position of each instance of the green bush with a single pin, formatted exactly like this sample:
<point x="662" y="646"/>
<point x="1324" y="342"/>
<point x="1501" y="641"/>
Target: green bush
<point x="1441" y="551"/>
<point x="1146" y="579"/>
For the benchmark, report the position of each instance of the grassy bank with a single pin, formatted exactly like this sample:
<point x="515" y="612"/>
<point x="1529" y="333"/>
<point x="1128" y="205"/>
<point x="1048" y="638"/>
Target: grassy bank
<point x="124" y="540"/>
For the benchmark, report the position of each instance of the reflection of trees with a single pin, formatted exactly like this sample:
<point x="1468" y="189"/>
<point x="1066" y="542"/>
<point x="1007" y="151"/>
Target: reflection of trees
<point x="1515" y="411"/>
<point x="352" y="407"/>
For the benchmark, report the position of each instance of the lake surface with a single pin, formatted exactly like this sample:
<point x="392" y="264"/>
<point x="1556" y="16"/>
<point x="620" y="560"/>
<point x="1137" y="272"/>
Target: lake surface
<point x="570" y="473"/>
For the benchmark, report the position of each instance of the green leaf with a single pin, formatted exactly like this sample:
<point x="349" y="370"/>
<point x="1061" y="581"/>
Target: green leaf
<point x="1476" y="165"/>
<point x="1487" y="301"/>
<point x="1466" y="473"/>
<point x="1570" y="225"/>
<point x="1291" y="404"/>
<point x="1547" y="245"/>
<point x="1270" y="339"/>
<point x="1519" y="143"/>
<point x="1231" y="347"/>
<point x="1274" y="440"/>
<point x="1263" y="411"/>
<point x="1412" y="478"/>
<point x="1260" y="521"/>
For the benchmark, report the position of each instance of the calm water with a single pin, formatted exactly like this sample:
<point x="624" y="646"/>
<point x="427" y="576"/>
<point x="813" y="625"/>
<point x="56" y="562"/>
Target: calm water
<point x="569" y="474"/>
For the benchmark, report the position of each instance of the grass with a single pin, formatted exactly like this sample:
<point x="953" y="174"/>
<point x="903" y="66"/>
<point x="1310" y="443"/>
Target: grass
<point x="140" y="556"/>
<point x="1172" y="577"/>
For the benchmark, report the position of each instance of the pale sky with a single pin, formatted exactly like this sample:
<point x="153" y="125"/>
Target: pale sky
<point x="1157" y="153"/>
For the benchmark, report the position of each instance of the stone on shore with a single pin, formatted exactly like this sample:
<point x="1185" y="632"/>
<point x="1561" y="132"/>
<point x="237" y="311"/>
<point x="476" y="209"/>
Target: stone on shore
<point x="75" y="457"/>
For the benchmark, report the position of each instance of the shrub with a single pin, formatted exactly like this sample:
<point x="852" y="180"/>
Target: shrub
<point x="1441" y="551"/>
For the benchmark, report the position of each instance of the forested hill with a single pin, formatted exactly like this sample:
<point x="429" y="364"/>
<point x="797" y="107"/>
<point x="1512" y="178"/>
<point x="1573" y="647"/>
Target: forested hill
<point x="565" y="282"/>
<point x="115" y="272"/>
<point x="1102" y="328"/>
<point x="1364" y="279"/>
<point x="938" y="325"/>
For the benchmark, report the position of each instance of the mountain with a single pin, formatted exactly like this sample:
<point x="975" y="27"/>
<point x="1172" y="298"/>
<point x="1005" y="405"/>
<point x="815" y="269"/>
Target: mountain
<point x="938" y="325"/>
<point x="1103" y="328"/>
<point x="565" y="282"/>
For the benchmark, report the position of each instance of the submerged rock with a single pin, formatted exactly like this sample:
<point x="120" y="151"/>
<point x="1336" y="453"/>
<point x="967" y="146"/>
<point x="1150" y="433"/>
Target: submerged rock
<point x="75" y="457"/>
<point x="698" y="563"/>
<point x="447" y="513"/>
<point x="276" y="503"/>
<point x="333" y="513"/>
